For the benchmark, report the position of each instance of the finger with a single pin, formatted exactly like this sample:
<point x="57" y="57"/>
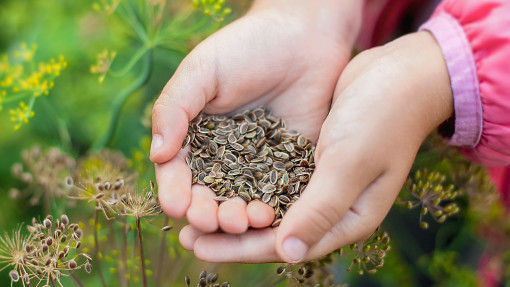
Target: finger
<point x="174" y="185"/>
<point x="258" y="245"/>
<point x="203" y="211"/>
<point x="188" y="236"/>
<point x="184" y="96"/>
<point x="365" y="215"/>
<point x="232" y="215"/>
<point x="259" y="214"/>
<point x="333" y="188"/>
<point x="253" y="246"/>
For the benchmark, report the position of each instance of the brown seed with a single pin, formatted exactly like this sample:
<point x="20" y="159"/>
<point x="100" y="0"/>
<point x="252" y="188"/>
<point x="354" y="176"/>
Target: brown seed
<point x="289" y="146"/>
<point x="237" y="146"/>
<point x="276" y="223"/>
<point x="301" y="141"/>
<point x="13" y="274"/>
<point x="166" y="228"/>
<point x="273" y="177"/>
<point x="269" y="188"/>
<point x="221" y="198"/>
<point x="279" y="165"/>
<point x="266" y="197"/>
<point x="186" y="141"/>
<point x="245" y="196"/>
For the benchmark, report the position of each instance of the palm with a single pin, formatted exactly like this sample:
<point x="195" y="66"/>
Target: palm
<point x="292" y="72"/>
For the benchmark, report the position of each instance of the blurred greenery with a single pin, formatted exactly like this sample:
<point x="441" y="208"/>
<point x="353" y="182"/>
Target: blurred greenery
<point x="77" y="117"/>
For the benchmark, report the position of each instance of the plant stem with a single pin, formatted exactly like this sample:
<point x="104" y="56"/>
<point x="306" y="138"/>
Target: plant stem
<point x="76" y="280"/>
<point x="96" y="245"/>
<point x="121" y="99"/>
<point x="124" y="282"/>
<point x="278" y="281"/>
<point x="161" y="255"/>
<point x="142" y="257"/>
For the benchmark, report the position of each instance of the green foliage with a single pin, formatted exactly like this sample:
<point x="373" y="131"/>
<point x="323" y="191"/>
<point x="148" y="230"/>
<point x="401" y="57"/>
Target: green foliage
<point x="78" y="116"/>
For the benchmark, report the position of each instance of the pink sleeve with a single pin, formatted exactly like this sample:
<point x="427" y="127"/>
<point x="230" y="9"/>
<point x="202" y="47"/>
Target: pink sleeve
<point x="475" y="38"/>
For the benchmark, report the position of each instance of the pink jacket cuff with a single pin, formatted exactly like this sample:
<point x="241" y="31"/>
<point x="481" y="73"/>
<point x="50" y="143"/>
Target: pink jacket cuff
<point x="485" y="24"/>
<point x="462" y="69"/>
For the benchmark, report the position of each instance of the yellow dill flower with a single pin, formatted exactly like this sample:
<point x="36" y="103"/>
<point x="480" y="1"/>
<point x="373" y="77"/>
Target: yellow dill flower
<point x="25" y="53"/>
<point x="213" y="8"/>
<point x="20" y="81"/>
<point x="107" y="6"/>
<point x="21" y="115"/>
<point x="103" y="63"/>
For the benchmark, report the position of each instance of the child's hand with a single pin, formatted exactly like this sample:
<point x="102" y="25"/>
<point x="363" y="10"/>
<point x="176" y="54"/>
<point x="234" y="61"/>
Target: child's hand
<point x="386" y="102"/>
<point x="285" y="55"/>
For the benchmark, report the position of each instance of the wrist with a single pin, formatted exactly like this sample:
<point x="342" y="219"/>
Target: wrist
<point x="428" y="95"/>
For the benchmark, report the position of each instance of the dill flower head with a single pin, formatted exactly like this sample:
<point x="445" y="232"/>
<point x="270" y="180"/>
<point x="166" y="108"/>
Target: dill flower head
<point x="44" y="173"/>
<point x="369" y="254"/>
<point x="46" y="254"/>
<point x="15" y="253"/>
<point x="103" y="178"/>
<point x="103" y="63"/>
<point x="429" y="192"/>
<point x="55" y="249"/>
<point x="22" y="81"/>
<point x="140" y="205"/>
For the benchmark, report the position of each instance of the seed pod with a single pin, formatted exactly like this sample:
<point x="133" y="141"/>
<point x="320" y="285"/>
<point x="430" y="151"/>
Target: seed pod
<point x="72" y="264"/>
<point x="88" y="267"/>
<point x="47" y="223"/>
<point x="69" y="181"/>
<point x="13" y="274"/>
<point x="280" y="270"/>
<point x="212" y="277"/>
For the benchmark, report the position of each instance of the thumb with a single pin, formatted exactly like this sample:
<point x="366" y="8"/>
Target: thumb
<point x="191" y="87"/>
<point x="334" y="186"/>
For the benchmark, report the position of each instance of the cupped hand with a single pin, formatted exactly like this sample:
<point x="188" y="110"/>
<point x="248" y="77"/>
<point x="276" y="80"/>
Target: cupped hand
<point x="386" y="102"/>
<point x="285" y="55"/>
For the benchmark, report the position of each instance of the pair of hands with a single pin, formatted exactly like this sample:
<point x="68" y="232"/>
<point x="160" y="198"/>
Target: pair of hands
<point x="368" y="117"/>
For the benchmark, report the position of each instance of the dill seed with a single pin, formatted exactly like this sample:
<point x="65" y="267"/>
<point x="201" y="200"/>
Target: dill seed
<point x="251" y="155"/>
<point x="14" y="275"/>
<point x="166" y="228"/>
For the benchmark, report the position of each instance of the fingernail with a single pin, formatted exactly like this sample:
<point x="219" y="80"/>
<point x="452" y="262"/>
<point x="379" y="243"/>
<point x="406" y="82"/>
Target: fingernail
<point x="157" y="142"/>
<point x="294" y="249"/>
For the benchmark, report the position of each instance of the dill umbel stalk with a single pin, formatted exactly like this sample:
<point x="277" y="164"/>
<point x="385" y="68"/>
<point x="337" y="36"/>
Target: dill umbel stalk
<point x="124" y="282"/>
<point x="161" y="255"/>
<point x="96" y="245"/>
<point x="76" y="280"/>
<point x="142" y="257"/>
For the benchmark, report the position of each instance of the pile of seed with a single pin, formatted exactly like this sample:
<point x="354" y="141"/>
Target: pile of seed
<point x="251" y="155"/>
